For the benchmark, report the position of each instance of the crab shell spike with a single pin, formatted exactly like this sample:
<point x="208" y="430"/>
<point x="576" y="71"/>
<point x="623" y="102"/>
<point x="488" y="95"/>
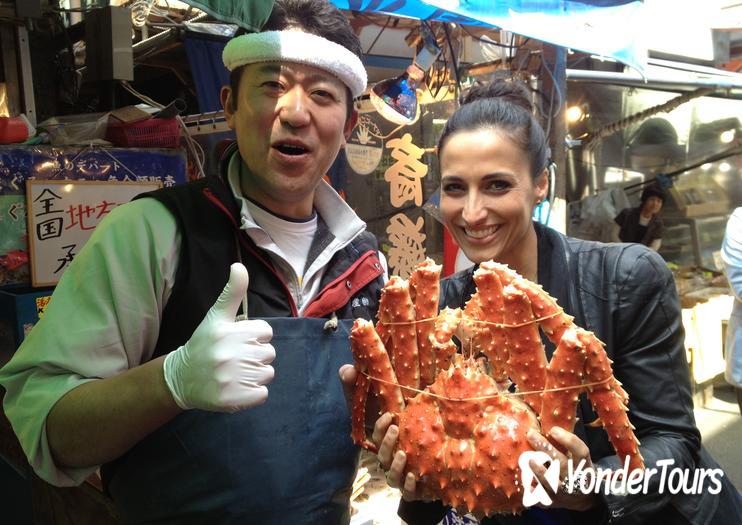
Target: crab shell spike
<point x="371" y="356"/>
<point x="424" y="290"/>
<point x="399" y="316"/>
<point x="564" y="371"/>
<point x="608" y="402"/>
<point x="526" y="361"/>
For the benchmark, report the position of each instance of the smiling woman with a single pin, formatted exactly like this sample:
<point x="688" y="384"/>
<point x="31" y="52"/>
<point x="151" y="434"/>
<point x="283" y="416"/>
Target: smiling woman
<point x="493" y="173"/>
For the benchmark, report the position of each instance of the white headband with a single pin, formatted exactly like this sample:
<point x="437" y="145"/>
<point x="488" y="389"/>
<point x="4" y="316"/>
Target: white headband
<point x="297" y="46"/>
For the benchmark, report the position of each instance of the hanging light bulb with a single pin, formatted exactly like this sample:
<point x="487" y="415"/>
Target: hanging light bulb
<point x="574" y="114"/>
<point x="395" y="98"/>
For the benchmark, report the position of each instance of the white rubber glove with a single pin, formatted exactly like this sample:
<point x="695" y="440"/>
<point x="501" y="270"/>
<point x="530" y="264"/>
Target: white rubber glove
<point x="225" y="365"/>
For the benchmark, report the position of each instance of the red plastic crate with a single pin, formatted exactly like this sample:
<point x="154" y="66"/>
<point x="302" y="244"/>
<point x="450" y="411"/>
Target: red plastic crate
<point x="150" y="133"/>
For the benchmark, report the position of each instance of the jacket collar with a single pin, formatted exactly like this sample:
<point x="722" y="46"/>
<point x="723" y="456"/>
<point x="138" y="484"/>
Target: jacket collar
<point x="340" y="219"/>
<point x="556" y="260"/>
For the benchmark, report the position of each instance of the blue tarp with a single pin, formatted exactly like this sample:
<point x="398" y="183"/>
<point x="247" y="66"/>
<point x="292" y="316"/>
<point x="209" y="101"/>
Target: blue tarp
<point x="209" y="74"/>
<point x="609" y="28"/>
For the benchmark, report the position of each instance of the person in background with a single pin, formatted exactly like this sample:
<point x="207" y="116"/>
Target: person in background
<point x="643" y="224"/>
<point x="731" y="255"/>
<point x="141" y="364"/>
<point x="493" y="159"/>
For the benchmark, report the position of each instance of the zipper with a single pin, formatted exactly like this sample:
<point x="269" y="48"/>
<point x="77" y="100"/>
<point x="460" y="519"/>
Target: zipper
<point x="241" y="236"/>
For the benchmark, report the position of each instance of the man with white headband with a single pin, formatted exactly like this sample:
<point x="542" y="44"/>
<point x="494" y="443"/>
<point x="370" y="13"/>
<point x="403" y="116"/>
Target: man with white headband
<point x="203" y="403"/>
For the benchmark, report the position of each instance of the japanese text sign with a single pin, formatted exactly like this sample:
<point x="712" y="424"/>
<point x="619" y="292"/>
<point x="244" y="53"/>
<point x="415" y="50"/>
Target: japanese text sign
<point x="63" y="214"/>
<point x="405" y="179"/>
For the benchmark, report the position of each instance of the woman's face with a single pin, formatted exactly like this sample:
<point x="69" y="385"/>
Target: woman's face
<point x="652" y="205"/>
<point x="488" y="196"/>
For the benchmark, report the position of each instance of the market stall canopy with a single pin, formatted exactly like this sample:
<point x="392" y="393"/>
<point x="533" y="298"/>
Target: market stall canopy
<point x="609" y="28"/>
<point x="249" y="14"/>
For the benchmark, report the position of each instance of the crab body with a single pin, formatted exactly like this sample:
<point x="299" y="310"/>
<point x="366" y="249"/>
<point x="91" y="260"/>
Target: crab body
<point x="460" y="425"/>
<point x="466" y="450"/>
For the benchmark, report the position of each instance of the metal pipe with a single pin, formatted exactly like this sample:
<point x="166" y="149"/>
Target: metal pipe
<point x="656" y="81"/>
<point x="143" y="45"/>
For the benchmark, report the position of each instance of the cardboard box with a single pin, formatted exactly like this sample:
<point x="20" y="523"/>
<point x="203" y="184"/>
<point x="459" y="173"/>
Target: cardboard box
<point x="698" y="200"/>
<point x="20" y="309"/>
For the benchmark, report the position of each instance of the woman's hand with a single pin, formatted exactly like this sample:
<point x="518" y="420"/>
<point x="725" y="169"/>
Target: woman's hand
<point x="574" y="449"/>
<point x="385" y="438"/>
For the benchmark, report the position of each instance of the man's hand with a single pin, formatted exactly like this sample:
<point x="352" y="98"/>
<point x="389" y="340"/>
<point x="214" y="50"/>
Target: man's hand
<point x="225" y="365"/>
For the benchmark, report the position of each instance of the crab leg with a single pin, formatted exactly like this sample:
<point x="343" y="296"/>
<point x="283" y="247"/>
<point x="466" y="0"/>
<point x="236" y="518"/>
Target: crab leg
<point x="384" y="330"/>
<point x="608" y="399"/>
<point x="446" y="324"/>
<point x="492" y="339"/>
<point x="399" y="317"/>
<point x="526" y="361"/>
<point x="372" y="359"/>
<point x="565" y="370"/>
<point x="358" y="412"/>
<point x="503" y="271"/>
<point x="425" y="288"/>
<point x="553" y="320"/>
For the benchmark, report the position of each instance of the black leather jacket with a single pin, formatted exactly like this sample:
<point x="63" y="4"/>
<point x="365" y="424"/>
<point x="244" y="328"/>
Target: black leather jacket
<point x="625" y="294"/>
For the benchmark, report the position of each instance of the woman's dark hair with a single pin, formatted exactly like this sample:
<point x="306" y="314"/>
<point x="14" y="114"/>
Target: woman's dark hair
<point x="504" y="106"/>
<point x="318" y="17"/>
<point x="653" y="190"/>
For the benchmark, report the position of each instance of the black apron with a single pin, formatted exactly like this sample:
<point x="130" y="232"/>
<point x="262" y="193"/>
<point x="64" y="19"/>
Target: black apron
<point x="290" y="460"/>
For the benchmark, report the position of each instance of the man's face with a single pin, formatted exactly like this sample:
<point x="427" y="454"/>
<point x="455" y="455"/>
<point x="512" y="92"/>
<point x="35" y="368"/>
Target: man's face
<point x="291" y="121"/>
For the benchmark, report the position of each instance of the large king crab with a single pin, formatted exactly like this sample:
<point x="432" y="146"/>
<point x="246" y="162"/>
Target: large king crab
<point x="460" y="428"/>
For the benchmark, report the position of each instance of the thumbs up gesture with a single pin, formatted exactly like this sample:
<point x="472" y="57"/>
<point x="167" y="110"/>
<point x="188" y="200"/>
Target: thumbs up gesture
<point x="226" y="363"/>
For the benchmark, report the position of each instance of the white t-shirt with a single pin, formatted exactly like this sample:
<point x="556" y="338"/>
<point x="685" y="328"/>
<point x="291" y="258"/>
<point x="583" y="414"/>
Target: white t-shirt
<point x="293" y="238"/>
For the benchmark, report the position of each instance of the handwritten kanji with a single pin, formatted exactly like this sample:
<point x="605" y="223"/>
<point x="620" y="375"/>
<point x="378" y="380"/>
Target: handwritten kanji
<point x="407" y="248"/>
<point x="48" y="201"/>
<point x="405" y="174"/>
<point x="81" y="216"/>
<point x="67" y="257"/>
<point x="104" y="208"/>
<point x="49" y="229"/>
